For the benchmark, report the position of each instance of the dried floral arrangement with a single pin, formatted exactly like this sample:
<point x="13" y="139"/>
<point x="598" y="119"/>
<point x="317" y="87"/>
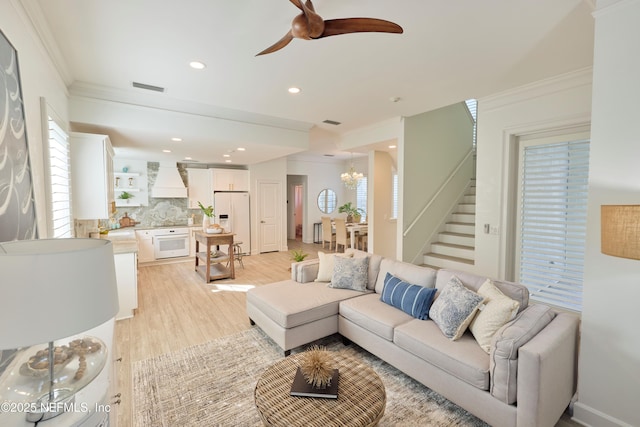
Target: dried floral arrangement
<point x="315" y="365"/>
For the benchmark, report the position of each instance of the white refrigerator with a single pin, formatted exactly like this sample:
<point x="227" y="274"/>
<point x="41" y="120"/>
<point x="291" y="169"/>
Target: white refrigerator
<point x="232" y="213"/>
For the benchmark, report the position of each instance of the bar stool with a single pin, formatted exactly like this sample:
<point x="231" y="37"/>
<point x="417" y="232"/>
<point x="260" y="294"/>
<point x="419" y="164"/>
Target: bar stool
<point x="237" y="253"/>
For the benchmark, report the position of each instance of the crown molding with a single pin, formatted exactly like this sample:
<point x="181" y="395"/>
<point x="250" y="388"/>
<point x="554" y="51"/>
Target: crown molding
<point x="545" y="87"/>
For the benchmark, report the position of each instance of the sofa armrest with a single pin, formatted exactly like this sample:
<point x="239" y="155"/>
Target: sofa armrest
<point x="547" y="372"/>
<point x="305" y="271"/>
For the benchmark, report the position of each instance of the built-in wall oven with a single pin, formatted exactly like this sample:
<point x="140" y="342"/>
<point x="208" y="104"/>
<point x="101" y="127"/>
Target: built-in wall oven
<point x="170" y="242"/>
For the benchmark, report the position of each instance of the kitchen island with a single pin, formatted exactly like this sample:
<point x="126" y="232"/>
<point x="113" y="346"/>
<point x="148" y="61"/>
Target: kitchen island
<point x="210" y="264"/>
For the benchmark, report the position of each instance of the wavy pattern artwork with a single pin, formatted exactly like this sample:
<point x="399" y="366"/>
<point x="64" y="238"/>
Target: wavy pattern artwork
<point x="17" y="210"/>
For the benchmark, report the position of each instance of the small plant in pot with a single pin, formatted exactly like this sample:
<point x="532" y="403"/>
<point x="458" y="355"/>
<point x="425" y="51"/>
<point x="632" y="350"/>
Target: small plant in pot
<point x="298" y="255"/>
<point x="125" y="196"/>
<point x="353" y="214"/>
<point x="207" y="215"/>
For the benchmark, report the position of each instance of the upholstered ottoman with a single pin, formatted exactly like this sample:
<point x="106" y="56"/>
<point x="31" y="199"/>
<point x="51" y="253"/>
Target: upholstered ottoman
<point x="293" y="313"/>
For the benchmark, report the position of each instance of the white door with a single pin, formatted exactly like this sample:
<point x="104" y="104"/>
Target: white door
<point x="269" y="216"/>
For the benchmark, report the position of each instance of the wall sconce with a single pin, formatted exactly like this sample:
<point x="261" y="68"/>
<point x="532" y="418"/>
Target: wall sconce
<point x="620" y="230"/>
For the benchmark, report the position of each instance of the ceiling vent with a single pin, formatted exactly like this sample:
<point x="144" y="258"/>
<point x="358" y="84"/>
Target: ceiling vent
<point x="331" y="122"/>
<point x="148" y="87"/>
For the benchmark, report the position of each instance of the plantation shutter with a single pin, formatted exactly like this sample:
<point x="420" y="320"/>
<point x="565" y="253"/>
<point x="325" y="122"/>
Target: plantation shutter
<point x="361" y="197"/>
<point x="552" y="223"/>
<point x="60" y="181"/>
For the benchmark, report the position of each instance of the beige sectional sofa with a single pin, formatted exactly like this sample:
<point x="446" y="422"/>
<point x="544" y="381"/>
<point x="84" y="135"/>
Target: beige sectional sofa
<point x="527" y="379"/>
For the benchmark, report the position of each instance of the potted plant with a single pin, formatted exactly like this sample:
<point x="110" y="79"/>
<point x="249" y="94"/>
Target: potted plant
<point x="353" y="214"/>
<point x="207" y="215"/>
<point x="125" y="196"/>
<point x="298" y="255"/>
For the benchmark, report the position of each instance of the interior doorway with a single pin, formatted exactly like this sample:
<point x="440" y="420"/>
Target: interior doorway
<point x="298" y="198"/>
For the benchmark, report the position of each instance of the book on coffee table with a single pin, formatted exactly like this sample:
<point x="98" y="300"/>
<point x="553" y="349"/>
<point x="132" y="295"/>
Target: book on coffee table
<point x="302" y="388"/>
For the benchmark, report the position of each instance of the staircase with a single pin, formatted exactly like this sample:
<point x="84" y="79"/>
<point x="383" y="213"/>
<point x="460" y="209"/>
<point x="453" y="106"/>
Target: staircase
<point x="455" y="245"/>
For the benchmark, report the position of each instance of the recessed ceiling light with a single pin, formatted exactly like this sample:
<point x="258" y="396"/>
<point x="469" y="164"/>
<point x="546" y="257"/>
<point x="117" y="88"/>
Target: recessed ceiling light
<point x="241" y="149"/>
<point x="226" y="155"/>
<point x="197" y="65"/>
<point x="227" y="161"/>
<point x="176" y="139"/>
<point x="294" y="90"/>
<point x="166" y="151"/>
<point x="392" y="146"/>
<point x="188" y="158"/>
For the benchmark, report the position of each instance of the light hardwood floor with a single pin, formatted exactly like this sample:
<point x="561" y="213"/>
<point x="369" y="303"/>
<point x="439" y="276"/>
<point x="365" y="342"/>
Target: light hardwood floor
<point x="177" y="309"/>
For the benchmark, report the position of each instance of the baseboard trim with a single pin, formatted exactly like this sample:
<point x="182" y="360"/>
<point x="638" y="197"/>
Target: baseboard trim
<point x="589" y="416"/>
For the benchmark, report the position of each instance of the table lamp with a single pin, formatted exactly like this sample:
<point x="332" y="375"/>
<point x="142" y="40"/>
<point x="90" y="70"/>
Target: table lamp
<point x="620" y="230"/>
<point x="52" y="289"/>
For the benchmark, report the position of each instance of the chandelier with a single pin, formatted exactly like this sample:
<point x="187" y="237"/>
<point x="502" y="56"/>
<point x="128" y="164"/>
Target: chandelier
<point x="351" y="178"/>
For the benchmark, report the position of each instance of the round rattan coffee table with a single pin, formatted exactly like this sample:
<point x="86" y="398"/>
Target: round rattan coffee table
<point x="361" y="396"/>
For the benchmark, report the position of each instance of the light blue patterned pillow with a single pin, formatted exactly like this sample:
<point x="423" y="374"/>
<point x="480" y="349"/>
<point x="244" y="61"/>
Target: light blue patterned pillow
<point x="455" y="308"/>
<point x="350" y="273"/>
<point x="412" y="299"/>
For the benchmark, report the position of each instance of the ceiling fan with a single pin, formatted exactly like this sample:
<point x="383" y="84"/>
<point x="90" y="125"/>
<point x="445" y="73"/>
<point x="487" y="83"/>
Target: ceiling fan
<point x="309" y="25"/>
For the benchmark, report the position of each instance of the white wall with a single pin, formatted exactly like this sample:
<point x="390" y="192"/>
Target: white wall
<point x="609" y="369"/>
<point x="434" y="143"/>
<point x="563" y="101"/>
<point x="382" y="229"/>
<point x="320" y="174"/>
<point x="38" y="79"/>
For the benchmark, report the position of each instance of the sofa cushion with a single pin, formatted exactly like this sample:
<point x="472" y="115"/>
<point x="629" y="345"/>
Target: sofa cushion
<point x="472" y="281"/>
<point x="374" y="265"/>
<point x="412" y="299"/>
<point x="291" y="304"/>
<point x="350" y="273"/>
<point x="423" y="276"/>
<point x="497" y="310"/>
<point x="503" y="358"/>
<point x="327" y="263"/>
<point x="454" y="308"/>
<point x="463" y="358"/>
<point x="368" y="312"/>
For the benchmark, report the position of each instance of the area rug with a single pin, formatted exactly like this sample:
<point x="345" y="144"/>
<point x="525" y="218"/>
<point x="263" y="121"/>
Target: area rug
<point x="212" y="384"/>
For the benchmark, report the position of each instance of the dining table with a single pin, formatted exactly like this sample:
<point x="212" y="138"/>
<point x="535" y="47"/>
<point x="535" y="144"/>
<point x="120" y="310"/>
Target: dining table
<point x="354" y="228"/>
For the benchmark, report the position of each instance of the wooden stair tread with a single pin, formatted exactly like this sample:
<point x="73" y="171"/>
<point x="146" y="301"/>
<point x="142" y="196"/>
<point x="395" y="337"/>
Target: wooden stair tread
<point x="451" y="258"/>
<point x="454" y="234"/>
<point x="453" y="245"/>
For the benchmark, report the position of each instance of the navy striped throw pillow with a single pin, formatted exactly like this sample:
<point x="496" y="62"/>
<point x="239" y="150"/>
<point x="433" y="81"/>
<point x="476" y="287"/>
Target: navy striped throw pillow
<point x="412" y="299"/>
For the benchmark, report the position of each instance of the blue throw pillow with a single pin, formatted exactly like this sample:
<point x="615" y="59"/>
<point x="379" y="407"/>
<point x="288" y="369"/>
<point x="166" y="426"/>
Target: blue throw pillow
<point x="412" y="299"/>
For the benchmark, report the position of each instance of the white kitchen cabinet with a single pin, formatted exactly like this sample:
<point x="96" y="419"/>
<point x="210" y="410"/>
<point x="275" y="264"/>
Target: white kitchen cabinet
<point x="91" y="176"/>
<point x="230" y="179"/>
<point x="145" y="245"/>
<point x="127" y="279"/>
<point x="199" y="187"/>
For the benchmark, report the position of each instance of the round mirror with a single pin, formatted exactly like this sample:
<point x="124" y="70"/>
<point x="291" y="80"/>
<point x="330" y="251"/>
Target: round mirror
<point x="327" y="201"/>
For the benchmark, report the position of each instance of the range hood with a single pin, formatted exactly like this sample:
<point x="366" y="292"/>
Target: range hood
<point x="168" y="182"/>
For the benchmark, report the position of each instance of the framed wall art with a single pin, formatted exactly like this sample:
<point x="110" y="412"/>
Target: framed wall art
<point x="17" y="204"/>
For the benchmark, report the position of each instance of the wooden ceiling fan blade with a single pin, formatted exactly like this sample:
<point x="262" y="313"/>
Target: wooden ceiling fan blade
<point x="334" y="27"/>
<point x="298" y="4"/>
<point x="278" y="45"/>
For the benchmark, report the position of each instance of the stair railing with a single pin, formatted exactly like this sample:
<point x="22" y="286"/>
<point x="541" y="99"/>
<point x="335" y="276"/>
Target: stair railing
<point x="440" y="190"/>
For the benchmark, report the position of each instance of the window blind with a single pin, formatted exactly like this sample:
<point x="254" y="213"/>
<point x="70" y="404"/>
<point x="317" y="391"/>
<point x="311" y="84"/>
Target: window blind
<point x="361" y="196"/>
<point x="553" y="221"/>
<point x="60" y="181"/>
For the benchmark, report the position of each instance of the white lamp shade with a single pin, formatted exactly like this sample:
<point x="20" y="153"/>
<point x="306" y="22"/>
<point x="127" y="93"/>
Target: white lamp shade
<point x="54" y="288"/>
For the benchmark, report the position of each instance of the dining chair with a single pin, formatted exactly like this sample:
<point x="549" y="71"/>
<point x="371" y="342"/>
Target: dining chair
<point x="342" y="238"/>
<point x="327" y="232"/>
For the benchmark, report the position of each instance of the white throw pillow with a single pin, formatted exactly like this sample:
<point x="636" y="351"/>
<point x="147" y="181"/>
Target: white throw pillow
<point x="325" y="268"/>
<point x="497" y="311"/>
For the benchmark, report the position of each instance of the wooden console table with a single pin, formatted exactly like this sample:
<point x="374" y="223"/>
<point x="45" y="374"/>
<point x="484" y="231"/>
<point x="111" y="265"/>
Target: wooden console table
<point x="213" y="268"/>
